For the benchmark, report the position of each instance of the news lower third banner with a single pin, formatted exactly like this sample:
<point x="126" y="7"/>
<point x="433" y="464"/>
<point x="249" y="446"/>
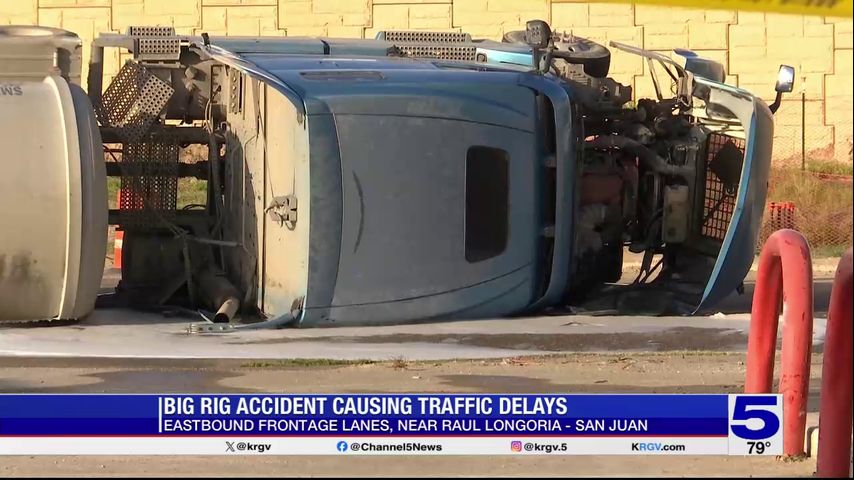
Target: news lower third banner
<point x="395" y="424"/>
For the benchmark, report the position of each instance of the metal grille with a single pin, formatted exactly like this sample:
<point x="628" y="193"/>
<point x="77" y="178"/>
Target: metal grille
<point x="781" y="215"/>
<point x="719" y="202"/>
<point x="425" y="37"/>
<point x="147" y="31"/>
<point x="441" y="52"/>
<point x="133" y="101"/>
<point x="149" y="183"/>
<point x="148" y="48"/>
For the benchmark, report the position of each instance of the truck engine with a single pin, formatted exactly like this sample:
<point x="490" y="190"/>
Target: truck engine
<point x="647" y="175"/>
<point x="659" y="177"/>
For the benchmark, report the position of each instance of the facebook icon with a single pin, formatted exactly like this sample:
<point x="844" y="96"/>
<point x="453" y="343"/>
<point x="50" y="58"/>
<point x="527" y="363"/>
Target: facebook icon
<point x="342" y="446"/>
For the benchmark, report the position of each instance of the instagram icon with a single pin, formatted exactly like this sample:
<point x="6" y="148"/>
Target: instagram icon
<point x="516" y="446"/>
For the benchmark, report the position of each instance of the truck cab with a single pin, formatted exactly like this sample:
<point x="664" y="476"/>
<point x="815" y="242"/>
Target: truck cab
<point x="422" y="176"/>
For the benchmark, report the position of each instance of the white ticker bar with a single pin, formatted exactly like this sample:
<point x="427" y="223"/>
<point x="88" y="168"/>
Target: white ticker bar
<point x="363" y="446"/>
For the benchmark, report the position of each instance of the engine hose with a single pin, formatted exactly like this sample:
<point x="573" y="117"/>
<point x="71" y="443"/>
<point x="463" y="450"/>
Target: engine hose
<point x="648" y="158"/>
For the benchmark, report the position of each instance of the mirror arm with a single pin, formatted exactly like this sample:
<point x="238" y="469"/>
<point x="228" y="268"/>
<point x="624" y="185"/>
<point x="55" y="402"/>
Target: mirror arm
<point x="774" y="106"/>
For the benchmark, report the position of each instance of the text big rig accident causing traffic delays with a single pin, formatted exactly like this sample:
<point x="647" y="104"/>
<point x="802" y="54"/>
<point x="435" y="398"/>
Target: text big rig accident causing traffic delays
<point x="410" y="177"/>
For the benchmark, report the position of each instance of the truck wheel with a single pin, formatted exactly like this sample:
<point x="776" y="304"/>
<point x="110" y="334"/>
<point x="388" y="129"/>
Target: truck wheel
<point x="515" y="36"/>
<point x="593" y="57"/>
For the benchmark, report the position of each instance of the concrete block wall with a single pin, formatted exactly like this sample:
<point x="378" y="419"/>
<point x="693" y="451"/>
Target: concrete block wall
<point x="751" y="45"/>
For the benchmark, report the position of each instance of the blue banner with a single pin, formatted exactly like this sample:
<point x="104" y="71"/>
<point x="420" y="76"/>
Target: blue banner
<point x="443" y="415"/>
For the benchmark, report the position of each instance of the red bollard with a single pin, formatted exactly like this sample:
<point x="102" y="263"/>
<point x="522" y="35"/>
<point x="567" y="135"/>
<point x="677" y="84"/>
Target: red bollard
<point x="785" y="267"/>
<point x="834" y="422"/>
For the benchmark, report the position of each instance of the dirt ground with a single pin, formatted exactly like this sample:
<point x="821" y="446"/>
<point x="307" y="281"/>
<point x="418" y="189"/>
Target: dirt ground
<point x="579" y="373"/>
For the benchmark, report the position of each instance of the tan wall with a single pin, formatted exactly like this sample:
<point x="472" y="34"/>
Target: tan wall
<point x="751" y="45"/>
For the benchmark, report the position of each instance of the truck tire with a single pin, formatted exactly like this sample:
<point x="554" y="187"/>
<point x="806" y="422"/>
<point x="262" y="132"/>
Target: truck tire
<point x="515" y="36"/>
<point x="593" y="57"/>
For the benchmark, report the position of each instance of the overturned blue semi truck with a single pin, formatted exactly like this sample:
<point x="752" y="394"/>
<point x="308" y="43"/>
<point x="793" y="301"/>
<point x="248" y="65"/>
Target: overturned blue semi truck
<point x="421" y="176"/>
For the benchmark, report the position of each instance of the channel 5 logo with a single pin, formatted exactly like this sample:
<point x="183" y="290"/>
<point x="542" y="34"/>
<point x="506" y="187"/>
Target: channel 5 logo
<point x="755" y="417"/>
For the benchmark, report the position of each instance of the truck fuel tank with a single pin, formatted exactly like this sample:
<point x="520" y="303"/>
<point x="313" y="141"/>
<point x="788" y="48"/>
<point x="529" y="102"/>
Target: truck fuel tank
<point x="53" y="187"/>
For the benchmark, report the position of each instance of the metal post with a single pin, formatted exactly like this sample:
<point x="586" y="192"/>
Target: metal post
<point x="835" y="411"/>
<point x="785" y="267"/>
<point x="803" y="129"/>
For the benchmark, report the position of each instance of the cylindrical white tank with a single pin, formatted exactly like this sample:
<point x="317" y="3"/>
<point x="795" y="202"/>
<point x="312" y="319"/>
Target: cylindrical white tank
<point x="53" y="188"/>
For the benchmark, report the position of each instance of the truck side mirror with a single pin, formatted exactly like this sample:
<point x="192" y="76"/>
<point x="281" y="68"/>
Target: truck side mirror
<point x="785" y="79"/>
<point x="538" y="36"/>
<point x="785" y="84"/>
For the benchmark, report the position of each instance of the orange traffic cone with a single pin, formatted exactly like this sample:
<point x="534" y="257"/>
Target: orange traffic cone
<point x="120" y="236"/>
